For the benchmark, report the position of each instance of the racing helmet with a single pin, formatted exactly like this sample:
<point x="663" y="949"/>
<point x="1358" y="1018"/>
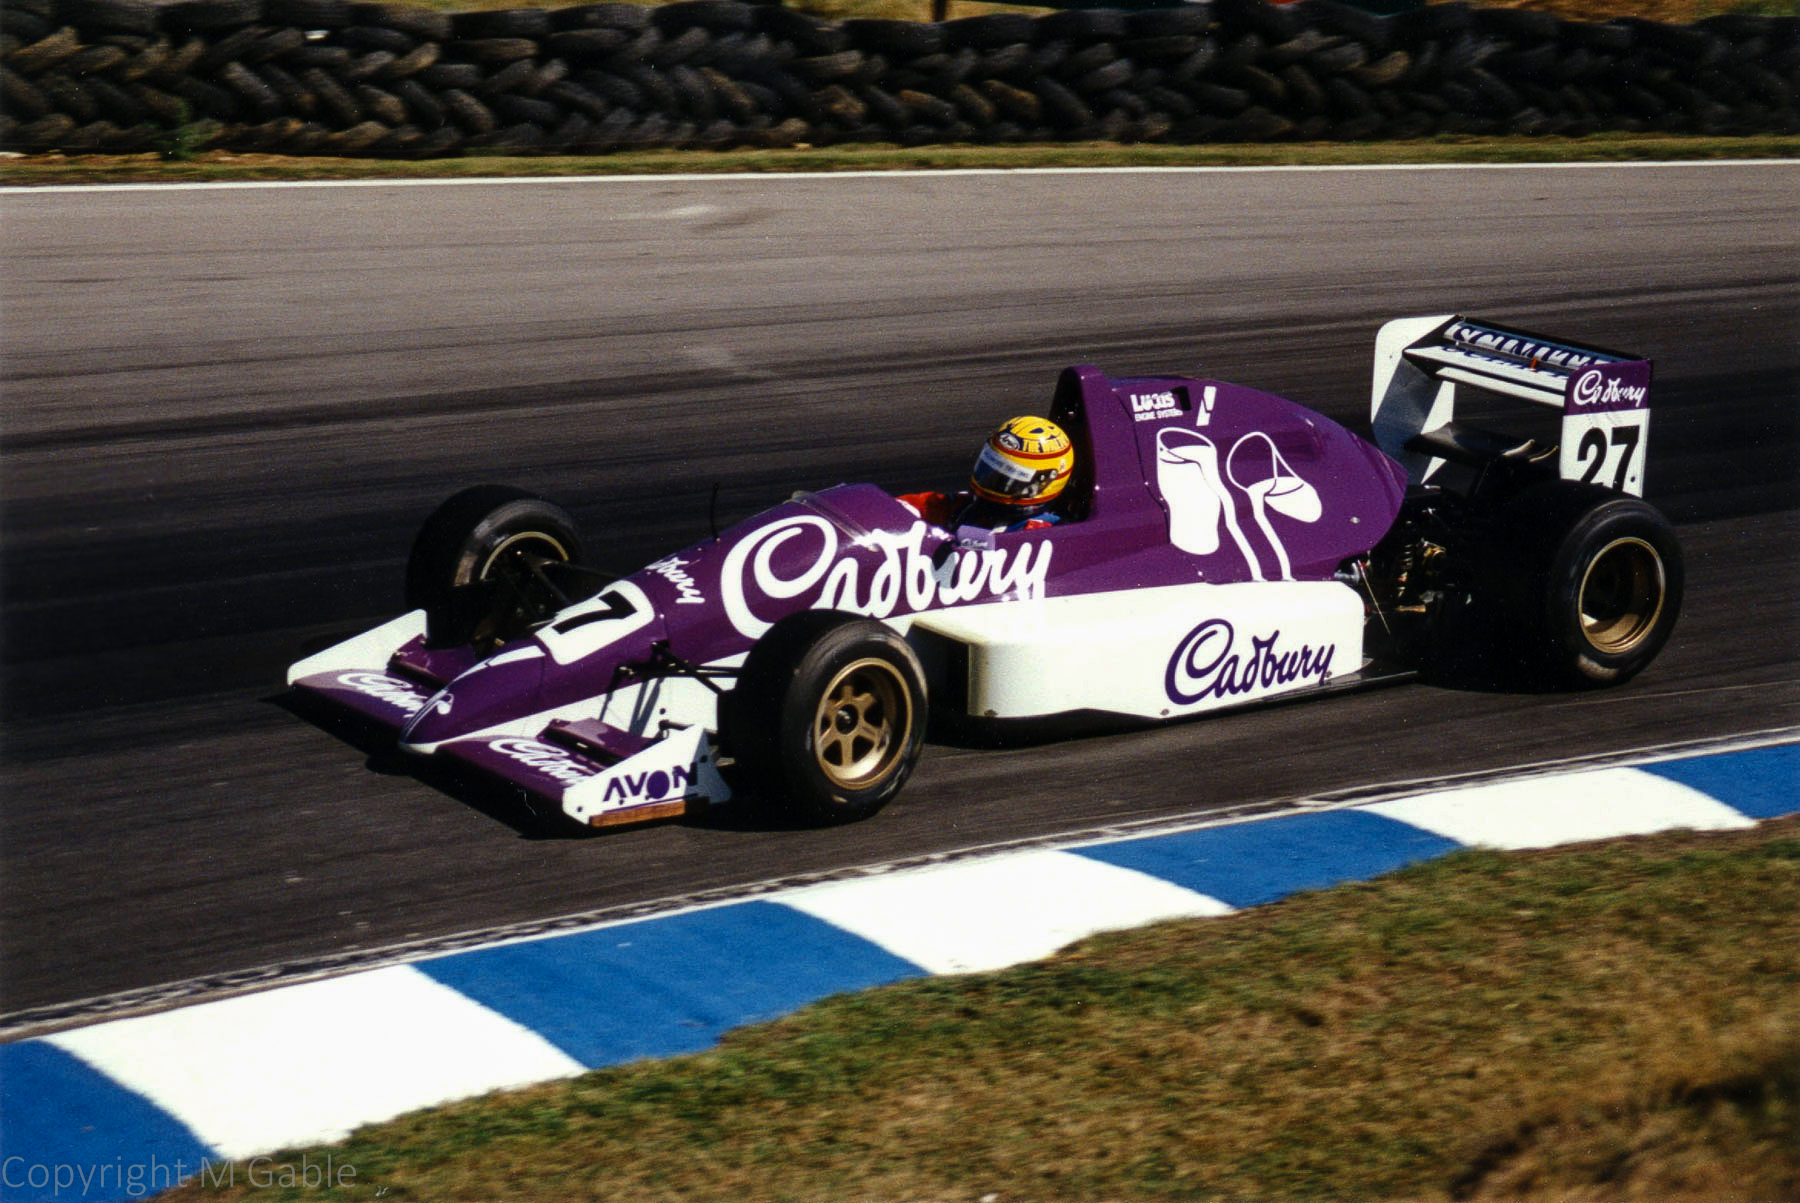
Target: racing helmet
<point x="1026" y="462"/>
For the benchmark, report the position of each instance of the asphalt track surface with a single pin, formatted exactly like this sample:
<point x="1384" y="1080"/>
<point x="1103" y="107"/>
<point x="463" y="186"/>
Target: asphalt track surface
<point x="225" y="411"/>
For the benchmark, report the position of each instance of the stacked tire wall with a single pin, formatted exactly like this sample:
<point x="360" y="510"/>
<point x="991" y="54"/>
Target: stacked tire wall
<point x="330" y="77"/>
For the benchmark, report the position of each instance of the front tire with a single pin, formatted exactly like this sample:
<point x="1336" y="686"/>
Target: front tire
<point x="481" y="566"/>
<point x="829" y="715"/>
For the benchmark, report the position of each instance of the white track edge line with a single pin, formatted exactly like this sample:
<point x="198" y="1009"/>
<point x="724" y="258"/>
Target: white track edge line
<point x="893" y="173"/>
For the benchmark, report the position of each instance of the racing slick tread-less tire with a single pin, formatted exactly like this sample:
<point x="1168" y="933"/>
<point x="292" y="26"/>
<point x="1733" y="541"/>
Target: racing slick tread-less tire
<point x="1598" y="586"/>
<point x="474" y="565"/>
<point x="828" y="715"/>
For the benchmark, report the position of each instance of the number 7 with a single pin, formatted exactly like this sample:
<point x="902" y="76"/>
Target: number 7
<point x="1626" y="437"/>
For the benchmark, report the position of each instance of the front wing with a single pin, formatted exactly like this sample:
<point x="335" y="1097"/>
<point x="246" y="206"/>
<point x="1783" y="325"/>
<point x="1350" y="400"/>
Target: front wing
<point x="598" y="774"/>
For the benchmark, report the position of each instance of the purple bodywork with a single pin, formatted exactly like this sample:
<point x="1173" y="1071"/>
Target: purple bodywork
<point x="1178" y="480"/>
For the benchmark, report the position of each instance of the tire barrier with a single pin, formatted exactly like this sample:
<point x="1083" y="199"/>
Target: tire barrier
<point x="330" y="77"/>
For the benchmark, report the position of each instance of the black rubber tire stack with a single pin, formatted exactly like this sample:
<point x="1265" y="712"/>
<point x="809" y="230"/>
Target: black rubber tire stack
<point x="382" y="79"/>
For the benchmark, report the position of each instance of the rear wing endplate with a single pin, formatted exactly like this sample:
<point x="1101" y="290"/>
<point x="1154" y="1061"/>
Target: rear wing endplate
<point x="1421" y="362"/>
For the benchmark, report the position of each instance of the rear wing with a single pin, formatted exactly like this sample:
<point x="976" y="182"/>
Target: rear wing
<point x="1421" y="362"/>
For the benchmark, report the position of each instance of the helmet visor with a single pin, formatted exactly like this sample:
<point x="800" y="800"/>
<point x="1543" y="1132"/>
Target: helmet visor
<point x="999" y="475"/>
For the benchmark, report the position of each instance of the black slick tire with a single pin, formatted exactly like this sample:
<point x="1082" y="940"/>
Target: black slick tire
<point x="471" y="565"/>
<point x="1595" y="583"/>
<point x="828" y="716"/>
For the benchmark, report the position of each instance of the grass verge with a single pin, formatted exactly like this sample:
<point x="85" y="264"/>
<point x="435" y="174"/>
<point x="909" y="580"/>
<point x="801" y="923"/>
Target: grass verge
<point x="1616" y="1021"/>
<point x="219" y="166"/>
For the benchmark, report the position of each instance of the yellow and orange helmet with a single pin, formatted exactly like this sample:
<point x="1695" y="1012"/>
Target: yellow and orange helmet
<point x="1025" y="462"/>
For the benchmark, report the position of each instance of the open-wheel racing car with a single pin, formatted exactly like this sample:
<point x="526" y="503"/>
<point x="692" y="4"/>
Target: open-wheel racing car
<point x="1217" y="546"/>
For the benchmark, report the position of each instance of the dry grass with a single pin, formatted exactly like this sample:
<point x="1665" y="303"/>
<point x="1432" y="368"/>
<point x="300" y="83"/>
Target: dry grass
<point x="1613" y="1022"/>
<point x="218" y="166"/>
<point x="1716" y="1124"/>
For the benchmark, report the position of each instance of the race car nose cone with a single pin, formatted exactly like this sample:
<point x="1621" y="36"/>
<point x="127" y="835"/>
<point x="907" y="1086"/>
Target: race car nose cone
<point x="495" y="692"/>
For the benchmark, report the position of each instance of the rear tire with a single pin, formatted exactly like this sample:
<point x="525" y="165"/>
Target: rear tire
<point x="1596" y="584"/>
<point x="477" y="566"/>
<point x="829" y="715"/>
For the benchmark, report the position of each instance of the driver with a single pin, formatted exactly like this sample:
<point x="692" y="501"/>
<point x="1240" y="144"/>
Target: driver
<point x="1021" y="471"/>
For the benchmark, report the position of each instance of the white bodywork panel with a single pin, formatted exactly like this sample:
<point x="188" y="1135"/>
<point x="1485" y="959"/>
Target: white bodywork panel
<point x="682" y="766"/>
<point x="1152" y="653"/>
<point x="1405" y="400"/>
<point x="1611" y="447"/>
<point x="369" y="651"/>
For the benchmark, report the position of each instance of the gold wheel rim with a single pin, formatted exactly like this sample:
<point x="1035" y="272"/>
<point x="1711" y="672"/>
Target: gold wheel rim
<point x="515" y="552"/>
<point x="1622" y="594"/>
<point x="514" y="564"/>
<point x="861" y="725"/>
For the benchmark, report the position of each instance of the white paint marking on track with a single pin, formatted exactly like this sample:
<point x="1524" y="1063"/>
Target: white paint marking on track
<point x="713" y="358"/>
<point x="1541" y="812"/>
<point x="678" y="213"/>
<point x="972" y="916"/>
<point x="308" y="1063"/>
<point x="897" y="173"/>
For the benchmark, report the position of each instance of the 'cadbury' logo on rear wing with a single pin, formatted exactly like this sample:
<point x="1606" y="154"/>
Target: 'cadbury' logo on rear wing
<point x="1609" y="387"/>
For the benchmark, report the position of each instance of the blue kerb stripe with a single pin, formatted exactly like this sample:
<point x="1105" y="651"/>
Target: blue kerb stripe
<point x="68" y="1131"/>
<point x="1763" y="783"/>
<point x="668" y="985"/>
<point x="1249" y="863"/>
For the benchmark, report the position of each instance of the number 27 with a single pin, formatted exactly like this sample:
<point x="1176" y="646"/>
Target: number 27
<point x="1593" y="449"/>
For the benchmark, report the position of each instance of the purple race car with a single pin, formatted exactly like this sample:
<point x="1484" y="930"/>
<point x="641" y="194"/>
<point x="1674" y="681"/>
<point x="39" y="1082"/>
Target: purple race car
<point x="1216" y="546"/>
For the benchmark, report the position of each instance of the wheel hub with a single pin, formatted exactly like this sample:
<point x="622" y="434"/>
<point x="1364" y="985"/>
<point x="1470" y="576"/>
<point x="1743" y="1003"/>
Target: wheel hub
<point x="523" y="595"/>
<point x="1622" y="595"/>
<point x="861" y="725"/>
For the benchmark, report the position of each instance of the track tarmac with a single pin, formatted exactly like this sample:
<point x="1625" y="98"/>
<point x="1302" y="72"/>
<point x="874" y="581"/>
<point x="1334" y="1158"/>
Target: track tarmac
<point x="226" y="410"/>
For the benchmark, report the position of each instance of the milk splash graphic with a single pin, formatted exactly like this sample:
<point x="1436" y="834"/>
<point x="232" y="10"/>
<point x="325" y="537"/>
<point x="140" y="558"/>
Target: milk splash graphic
<point x="1281" y="490"/>
<point x="1199" y="495"/>
<point x="1187" y="476"/>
